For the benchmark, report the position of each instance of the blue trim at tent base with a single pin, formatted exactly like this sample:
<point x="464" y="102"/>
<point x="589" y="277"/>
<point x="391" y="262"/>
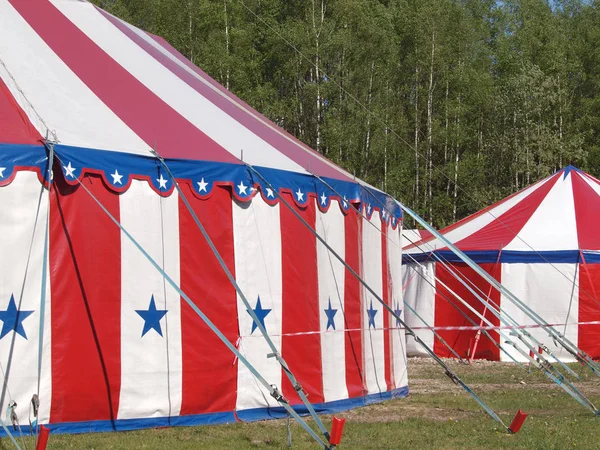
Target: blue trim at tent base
<point x="252" y="415"/>
<point x="509" y="256"/>
<point x="247" y="415"/>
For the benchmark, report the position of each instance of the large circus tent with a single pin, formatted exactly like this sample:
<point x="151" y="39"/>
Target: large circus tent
<point x="90" y="323"/>
<point x="541" y="243"/>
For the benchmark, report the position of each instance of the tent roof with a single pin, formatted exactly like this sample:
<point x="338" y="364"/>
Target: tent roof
<point x="557" y="214"/>
<point x="90" y="81"/>
<point x="101" y="83"/>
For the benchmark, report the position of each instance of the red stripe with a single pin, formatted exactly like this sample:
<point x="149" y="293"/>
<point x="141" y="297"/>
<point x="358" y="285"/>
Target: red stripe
<point x="353" y="306"/>
<point x="145" y="113"/>
<point x="587" y="213"/>
<point x="15" y="127"/>
<point x="300" y="303"/>
<point x="588" y="337"/>
<point x="288" y="145"/>
<point x="480" y="213"/>
<point x="209" y="376"/>
<point x="386" y="288"/>
<point x="85" y="276"/>
<point x="447" y="315"/>
<point x="502" y="230"/>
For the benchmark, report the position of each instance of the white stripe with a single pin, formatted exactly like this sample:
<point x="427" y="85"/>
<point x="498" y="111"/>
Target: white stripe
<point x="151" y="364"/>
<point x="552" y="226"/>
<point x="419" y="294"/>
<point x="257" y="248"/>
<point x="474" y="225"/>
<point x="18" y="203"/>
<point x="203" y="114"/>
<point x="554" y="297"/>
<point x="232" y="99"/>
<point x="592" y="182"/>
<point x="49" y="92"/>
<point x="331" y="273"/>
<point x="398" y="338"/>
<point x="373" y="338"/>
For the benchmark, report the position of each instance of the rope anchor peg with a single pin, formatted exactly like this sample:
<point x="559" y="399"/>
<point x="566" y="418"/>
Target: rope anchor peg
<point x="517" y="422"/>
<point x="337" y="428"/>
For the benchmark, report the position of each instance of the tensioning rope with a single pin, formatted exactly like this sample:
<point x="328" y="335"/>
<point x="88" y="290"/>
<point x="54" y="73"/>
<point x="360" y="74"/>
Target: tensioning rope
<point x="274" y="351"/>
<point x="409" y="331"/>
<point x="272" y="389"/>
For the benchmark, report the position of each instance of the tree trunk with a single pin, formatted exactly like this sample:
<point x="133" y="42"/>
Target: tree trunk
<point x="317" y="27"/>
<point x="368" y="137"/>
<point x="516" y="146"/>
<point x="430" y="131"/>
<point x="560" y="125"/>
<point x="456" y="161"/>
<point x="226" y="44"/>
<point x="446" y="139"/>
<point x="416" y="188"/>
<point x="190" y="29"/>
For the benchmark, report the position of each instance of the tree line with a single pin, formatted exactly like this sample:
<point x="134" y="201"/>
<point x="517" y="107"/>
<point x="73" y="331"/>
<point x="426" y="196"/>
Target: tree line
<point x="449" y="105"/>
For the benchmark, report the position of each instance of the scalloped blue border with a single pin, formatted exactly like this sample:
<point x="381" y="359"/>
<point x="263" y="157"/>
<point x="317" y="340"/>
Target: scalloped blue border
<point x="119" y="169"/>
<point x="248" y="415"/>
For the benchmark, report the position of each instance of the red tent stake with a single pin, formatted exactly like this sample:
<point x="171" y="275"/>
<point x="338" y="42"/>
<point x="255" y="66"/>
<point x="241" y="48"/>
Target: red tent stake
<point x="337" y="428"/>
<point x="517" y="422"/>
<point x="42" y="440"/>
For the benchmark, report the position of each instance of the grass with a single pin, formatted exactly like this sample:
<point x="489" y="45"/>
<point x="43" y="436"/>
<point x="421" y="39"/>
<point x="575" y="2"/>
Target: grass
<point x="437" y="415"/>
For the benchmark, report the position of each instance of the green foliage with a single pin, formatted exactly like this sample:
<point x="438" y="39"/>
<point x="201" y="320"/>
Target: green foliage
<point x="447" y="104"/>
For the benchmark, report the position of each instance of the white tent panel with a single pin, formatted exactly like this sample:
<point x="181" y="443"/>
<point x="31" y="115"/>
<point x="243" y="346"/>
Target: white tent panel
<point x="20" y="236"/>
<point x="330" y="225"/>
<point x="419" y="293"/>
<point x="398" y="338"/>
<point x="373" y="340"/>
<point x="551" y="291"/>
<point x="257" y="247"/>
<point x="538" y="235"/>
<point x="151" y="377"/>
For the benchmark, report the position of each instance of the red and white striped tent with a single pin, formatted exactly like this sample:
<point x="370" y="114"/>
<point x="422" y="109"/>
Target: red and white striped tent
<point x="541" y="243"/>
<point x="120" y="349"/>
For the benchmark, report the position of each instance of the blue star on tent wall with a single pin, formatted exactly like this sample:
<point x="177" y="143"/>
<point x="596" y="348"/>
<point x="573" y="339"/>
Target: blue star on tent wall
<point x="152" y="317"/>
<point x="398" y="311"/>
<point x="12" y="319"/>
<point x="260" y="315"/>
<point x="371" y="311"/>
<point x="330" y="313"/>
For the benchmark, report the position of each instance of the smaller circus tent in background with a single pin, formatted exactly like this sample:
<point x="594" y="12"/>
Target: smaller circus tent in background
<point x="542" y="244"/>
